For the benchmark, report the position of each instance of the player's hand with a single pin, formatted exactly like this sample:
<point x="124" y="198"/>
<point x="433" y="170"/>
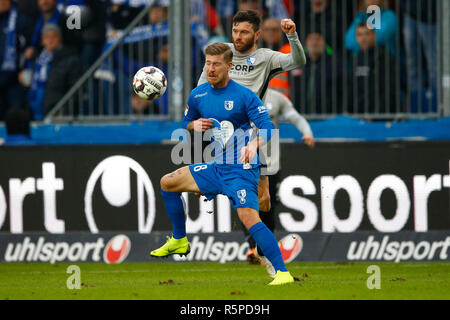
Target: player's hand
<point x="288" y="26"/>
<point x="249" y="152"/>
<point x="200" y="125"/>
<point x="309" y="141"/>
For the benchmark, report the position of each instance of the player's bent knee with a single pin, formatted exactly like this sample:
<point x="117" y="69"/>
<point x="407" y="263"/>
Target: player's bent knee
<point x="167" y="183"/>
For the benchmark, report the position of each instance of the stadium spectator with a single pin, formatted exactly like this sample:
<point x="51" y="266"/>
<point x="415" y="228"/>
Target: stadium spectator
<point x="92" y="33"/>
<point x="13" y="38"/>
<point x="146" y="45"/>
<point x="325" y="17"/>
<point x="271" y="34"/>
<point x="385" y="35"/>
<point x="370" y="69"/>
<point x="251" y="5"/>
<point x="159" y="12"/>
<point x="120" y="15"/>
<point x="321" y="81"/>
<point x="420" y="35"/>
<point x="53" y="11"/>
<point x="30" y="9"/>
<point x="203" y="12"/>
<point x="56" y="70"/>
<point x="49" y="13"/>
<point x="18" y="127"/>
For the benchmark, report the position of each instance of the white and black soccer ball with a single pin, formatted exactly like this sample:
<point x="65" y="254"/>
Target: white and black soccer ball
<point x="149" y="83"/>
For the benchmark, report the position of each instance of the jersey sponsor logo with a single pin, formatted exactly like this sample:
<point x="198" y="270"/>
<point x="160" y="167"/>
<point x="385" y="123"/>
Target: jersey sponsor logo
<point x="242" y="67"/>
<point x="251" y="61"/>
<point x="200" y="95"/>
<point x="241" y="195"/>
<point x="229" y="105"/>
<point x="262" y="109"/>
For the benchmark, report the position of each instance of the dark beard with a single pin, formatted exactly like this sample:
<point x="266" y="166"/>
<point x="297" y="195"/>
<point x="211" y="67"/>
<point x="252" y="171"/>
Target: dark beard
<point x="247" y="47"/>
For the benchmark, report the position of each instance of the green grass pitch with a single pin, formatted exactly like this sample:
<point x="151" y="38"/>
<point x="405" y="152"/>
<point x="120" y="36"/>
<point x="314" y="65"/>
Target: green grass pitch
<point x="230" y="281"/>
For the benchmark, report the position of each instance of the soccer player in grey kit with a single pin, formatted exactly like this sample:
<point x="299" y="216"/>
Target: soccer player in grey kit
<point x="280" y="108"/>
<point x="254" y="67"/>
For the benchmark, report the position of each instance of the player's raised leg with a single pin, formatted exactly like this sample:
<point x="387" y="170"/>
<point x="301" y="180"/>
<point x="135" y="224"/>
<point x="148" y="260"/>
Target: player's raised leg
<point x="267" y="242"/>
<point x="172" y="185"/>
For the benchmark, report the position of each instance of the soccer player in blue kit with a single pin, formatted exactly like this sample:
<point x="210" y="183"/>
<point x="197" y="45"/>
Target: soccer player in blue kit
<point x="229" y="107"/>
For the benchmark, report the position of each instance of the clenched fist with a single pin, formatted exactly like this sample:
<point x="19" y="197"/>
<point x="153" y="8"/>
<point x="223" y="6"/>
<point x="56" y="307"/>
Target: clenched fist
<point x="288" y="26"/>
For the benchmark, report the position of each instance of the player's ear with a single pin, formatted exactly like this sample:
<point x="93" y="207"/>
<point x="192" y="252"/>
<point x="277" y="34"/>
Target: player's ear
<point x="257" y="34"/>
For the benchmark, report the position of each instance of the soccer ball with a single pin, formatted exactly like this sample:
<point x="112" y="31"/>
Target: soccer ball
<point x="149" y="83"/>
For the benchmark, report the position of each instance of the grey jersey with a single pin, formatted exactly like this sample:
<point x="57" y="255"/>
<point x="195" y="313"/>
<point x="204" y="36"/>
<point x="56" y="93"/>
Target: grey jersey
<point x="280" y="108"/>
<point x="254" y="70"/>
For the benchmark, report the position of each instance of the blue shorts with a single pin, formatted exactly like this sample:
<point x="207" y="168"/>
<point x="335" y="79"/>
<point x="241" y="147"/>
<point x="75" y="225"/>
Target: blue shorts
<point x="238" y="184"/>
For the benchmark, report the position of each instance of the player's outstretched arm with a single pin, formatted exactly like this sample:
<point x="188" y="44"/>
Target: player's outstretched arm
<point x="289" y="113"/>
<point x="303" y="126"/>
<point x="297" y="57"/>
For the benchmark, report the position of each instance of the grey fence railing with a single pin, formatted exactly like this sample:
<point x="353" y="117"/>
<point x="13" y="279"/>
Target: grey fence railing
<point x="104" y="92"/>
<point x="399" y="70"/>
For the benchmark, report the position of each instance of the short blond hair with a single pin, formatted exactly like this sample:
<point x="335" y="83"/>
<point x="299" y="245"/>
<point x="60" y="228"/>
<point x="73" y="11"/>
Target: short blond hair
<point x="220" y="48"/>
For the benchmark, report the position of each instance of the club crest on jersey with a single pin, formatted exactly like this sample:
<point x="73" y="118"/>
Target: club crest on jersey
<point x="251" y="61"/>
<point x="229" y="105"/>
<point x="241" y="195"/>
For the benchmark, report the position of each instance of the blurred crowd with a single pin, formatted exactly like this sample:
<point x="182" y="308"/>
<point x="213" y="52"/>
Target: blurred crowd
<point x="46" y="45"/>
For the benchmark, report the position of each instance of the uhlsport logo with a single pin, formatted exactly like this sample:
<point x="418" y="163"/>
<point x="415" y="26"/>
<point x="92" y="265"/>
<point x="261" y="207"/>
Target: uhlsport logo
<point x="397" y="251"/>
<point x="215" y="250"/>
<point x="117" y="249"/>
<point x="290" y="247"/>
<point x="42" y="250"/>
<point x="114" y="174"/>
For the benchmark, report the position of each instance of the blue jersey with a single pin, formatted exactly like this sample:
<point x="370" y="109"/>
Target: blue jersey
<point x="232" y="110"/>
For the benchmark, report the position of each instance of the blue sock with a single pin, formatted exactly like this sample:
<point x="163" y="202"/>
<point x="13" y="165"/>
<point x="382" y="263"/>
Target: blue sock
<point x="175" y="211"/>
<point x="266" y="241"/>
